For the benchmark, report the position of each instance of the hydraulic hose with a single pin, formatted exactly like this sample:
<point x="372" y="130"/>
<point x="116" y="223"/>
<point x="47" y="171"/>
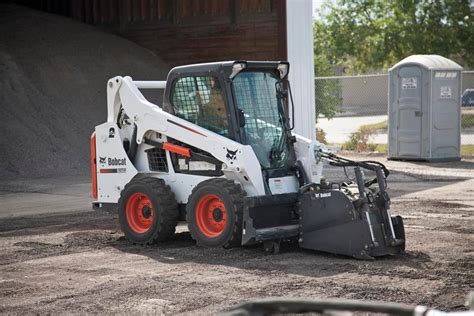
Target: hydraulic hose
<point x="338" y="161"/>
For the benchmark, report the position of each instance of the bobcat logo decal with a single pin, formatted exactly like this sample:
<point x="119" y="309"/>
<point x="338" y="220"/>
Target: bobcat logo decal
<point x="102" y="160"/>
<point x="231" y="154"/>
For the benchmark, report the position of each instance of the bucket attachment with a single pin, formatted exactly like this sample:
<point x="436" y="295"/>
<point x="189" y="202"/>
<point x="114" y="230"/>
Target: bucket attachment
<point x="351" y="219"/>
<point x="330" y="223"/>
<point x="358" y="225"/>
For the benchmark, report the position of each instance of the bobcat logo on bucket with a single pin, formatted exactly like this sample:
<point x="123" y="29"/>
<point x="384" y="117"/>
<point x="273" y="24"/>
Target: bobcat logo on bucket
<point x="231" y="154"/>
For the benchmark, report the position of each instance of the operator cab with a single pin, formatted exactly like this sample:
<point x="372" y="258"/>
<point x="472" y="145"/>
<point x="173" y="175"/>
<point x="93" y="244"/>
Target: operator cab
<point x="247" y="102"/>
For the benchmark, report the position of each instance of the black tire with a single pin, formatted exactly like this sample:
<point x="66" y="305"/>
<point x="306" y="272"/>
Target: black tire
<point x="231" y="195"/>
<point x="162" y="210"/>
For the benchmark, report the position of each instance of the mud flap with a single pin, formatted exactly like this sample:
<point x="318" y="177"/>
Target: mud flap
<point x="269" y="218"/>
<point x="330" y="223"/>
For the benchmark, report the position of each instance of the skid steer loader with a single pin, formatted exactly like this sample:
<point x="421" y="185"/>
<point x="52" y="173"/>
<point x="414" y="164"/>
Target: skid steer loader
<point x="219" y="152"/>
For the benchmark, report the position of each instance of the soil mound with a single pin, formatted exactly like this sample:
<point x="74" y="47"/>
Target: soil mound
<point x="53" y="76"/>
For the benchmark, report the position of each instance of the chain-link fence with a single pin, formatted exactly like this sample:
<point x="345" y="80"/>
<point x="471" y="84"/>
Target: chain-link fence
<point x="352" y="111"/>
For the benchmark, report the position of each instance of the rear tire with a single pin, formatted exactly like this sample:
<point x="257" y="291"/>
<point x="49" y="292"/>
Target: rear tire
<point x="148" y="211"/>
<point x="214" y="213"/>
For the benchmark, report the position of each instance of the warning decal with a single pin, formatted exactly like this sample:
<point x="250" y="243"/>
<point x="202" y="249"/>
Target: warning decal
<point x="445" y="92"/>
<point x="409" y="83"/>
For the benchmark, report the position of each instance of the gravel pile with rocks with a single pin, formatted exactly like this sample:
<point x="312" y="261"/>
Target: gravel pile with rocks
<point x="53" y="75"/>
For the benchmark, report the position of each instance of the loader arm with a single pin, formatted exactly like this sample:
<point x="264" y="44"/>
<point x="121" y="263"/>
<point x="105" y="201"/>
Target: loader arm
<point x="243" y="166"/>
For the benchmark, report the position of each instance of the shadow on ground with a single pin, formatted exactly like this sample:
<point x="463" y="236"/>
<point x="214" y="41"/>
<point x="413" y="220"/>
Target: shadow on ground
<point x="291" y="259"/>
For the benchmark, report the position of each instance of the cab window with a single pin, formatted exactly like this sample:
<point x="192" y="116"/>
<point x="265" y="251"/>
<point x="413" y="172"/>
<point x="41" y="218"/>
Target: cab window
<point x="199" y="100"/>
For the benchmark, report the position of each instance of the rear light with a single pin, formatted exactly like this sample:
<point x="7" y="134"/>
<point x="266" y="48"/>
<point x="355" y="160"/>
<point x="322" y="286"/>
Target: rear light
<point x="93" y="167"/>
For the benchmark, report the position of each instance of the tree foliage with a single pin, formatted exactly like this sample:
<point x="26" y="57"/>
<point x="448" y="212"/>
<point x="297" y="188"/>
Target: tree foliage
<point x="372" y="35"/>
<point x="328" y="97"/>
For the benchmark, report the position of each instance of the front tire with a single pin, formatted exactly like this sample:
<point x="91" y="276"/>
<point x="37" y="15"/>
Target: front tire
<point x="214" y="213"/>
<point x="148" y="211"/>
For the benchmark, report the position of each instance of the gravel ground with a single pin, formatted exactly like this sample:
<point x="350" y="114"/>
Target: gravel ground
<point x="58" y="256"/>
<point x="78" y="261"/>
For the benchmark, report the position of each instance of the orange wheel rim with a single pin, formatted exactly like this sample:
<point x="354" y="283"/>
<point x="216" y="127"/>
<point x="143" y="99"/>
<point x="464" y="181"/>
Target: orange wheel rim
<point x="211" y="215"/>
<point x="139" y="212"/>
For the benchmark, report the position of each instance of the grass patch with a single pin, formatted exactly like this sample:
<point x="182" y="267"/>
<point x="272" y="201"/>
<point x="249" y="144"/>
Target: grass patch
<point x="376" y="126"/>
<point x="381" y="148"/>
<point x="359" y="140"/>
<point x="467" y="120"/>
<point x="467" y="150"/>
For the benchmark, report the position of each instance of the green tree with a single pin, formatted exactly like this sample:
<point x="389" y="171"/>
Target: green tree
<point x="372" y="35"/>
<point x="328" y="97"/>
<point x="327" y="91"/>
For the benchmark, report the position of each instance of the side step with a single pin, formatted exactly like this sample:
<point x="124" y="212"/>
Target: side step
<point x="278" y="232"/>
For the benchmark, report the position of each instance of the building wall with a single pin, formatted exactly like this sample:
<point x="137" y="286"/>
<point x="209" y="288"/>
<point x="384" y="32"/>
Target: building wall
<point x="187" y="31"/>
<point x="193" y="31"/>
<point x="300" y="56"/>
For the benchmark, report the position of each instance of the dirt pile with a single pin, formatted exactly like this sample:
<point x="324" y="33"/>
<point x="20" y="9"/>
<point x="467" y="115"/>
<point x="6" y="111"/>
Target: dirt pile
<point x="53" y="75"/>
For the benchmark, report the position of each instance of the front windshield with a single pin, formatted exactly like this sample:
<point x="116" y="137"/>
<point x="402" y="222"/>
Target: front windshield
<point x="256" y="96"/>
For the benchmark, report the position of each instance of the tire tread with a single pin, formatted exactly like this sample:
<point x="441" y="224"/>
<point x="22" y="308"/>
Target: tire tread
<point x="169" y="214"/>
<point x="237" y="195"/>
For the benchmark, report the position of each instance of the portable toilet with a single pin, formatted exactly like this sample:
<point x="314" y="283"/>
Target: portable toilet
<point x="424" y="110"/>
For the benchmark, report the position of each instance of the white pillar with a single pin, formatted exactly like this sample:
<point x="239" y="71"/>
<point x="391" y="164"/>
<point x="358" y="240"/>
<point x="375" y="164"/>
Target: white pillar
<point x="299" y="31"/>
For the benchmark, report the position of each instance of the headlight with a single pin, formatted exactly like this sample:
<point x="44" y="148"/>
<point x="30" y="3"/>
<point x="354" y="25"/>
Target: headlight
<point x="283" y="68"/>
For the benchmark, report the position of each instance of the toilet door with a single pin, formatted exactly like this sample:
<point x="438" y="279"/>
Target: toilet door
<point x="409" y="112"/>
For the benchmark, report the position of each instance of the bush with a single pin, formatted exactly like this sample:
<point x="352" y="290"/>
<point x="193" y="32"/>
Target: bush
<point x="359" y="140"/>
<point x="321" y="136"/>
